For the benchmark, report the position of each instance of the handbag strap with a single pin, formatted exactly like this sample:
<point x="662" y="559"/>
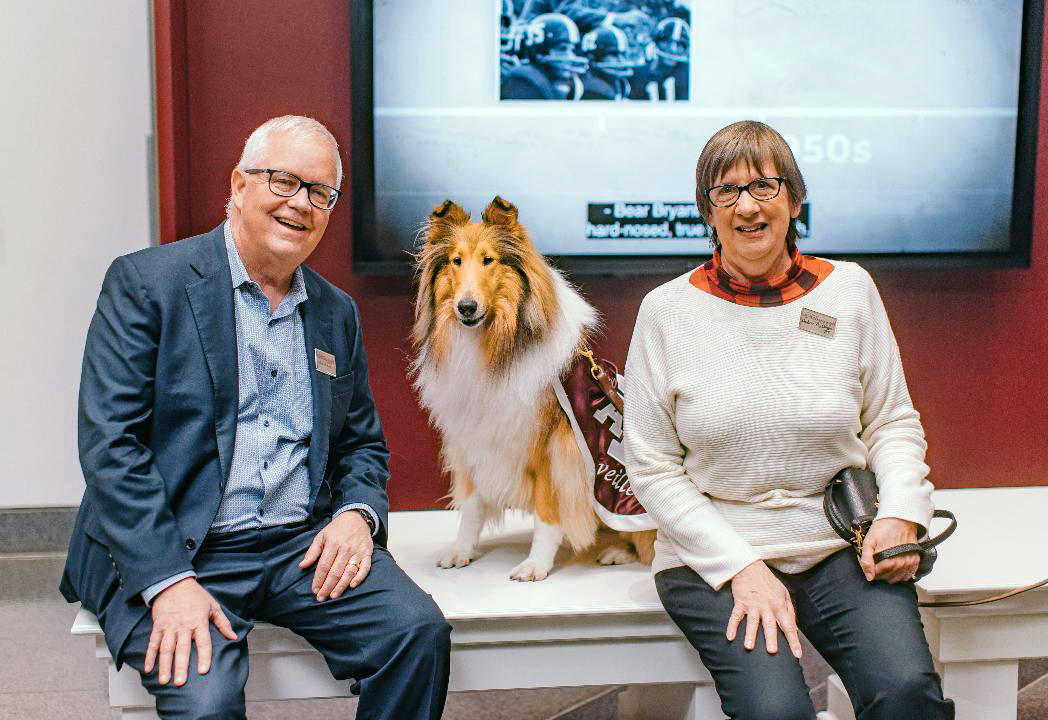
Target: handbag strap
<point x="891" y="552"/>
<point x="932" y="542"/>
<point x="923" y="544"/>
<point x="947" y="531"/>
<point x="601" y="378"/>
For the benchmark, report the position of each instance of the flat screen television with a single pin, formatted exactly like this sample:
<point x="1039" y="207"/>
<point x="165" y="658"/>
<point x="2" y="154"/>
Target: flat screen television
<point x="914" y="123"/>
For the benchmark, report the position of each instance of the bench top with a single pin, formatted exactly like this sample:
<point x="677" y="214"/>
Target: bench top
<point x="998" y="544"/>
<point x="483" y="589"/>
<point x="577" y="586"/>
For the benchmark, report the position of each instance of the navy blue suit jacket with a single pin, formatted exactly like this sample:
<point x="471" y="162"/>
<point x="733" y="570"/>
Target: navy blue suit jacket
<point x="157" y="421"/>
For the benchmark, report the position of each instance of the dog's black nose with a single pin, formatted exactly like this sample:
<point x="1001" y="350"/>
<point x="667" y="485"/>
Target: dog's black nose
<point x="466" y="308"/>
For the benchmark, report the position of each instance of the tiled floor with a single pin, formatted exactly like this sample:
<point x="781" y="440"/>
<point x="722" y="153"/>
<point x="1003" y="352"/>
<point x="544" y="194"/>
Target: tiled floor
<point x="45" y="673"/>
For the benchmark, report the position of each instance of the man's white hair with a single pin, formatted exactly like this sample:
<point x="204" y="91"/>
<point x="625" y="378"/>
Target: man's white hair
<point x="298" y="125"/>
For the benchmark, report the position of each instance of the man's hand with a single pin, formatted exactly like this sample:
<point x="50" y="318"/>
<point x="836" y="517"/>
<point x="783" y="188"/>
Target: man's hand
<point x="344" y="551"/>
<point x="761" y="598"/>
<point x="887" y="533"/>
<point x="181" y="616"/>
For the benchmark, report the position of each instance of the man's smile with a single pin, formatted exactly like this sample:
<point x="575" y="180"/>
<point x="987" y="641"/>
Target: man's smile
<point x="288" y="223"/>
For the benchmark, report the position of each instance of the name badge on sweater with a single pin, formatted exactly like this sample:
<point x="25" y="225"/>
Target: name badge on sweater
<point x="818" y="324"/>
<point x="325" y="362"/>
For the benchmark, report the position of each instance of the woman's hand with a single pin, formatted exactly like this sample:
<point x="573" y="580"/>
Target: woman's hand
<point x="887" y="533"/>
<point x="761" y="598"/>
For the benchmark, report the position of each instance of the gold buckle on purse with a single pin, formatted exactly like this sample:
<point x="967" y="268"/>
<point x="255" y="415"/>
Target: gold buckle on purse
<point x="858" y="541"/>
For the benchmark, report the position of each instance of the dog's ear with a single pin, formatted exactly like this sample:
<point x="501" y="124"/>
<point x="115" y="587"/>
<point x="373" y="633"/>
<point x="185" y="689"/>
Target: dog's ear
<point x="449" y="212"/>
<point x="500" y="212"/>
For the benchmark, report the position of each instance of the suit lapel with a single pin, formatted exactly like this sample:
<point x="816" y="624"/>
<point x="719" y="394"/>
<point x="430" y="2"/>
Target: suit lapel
<point x="211" y="299"/>
<point x="316" y="320"/>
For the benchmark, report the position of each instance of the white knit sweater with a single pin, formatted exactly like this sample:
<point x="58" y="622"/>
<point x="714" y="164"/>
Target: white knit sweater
<point x="736" y="419"/>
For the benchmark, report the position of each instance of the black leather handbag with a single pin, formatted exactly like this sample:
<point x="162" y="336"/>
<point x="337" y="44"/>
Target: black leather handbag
<point x="850" y="503"/>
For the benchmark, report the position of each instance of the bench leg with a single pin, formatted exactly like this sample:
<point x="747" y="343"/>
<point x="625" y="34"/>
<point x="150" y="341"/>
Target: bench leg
<point x="138" y="714"/>
<point x="983" y="690"/>
<point x="980" y="691"/>
<point x="838" y="704"/>
<point x="669" y="702"/>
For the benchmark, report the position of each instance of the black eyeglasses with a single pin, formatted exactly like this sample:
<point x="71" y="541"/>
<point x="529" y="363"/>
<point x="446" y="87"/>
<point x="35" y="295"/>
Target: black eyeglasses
<point x="285" y="184"/>
<point x="764" y="188"/>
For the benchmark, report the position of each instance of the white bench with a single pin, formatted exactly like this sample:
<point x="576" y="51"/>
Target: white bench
<point x="999" y="544"/>
<point x="586" y="625"/>
<point x="583" y="625"/>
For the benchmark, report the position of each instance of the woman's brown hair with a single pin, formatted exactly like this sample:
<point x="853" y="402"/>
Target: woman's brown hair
<point x="757" y="145"/>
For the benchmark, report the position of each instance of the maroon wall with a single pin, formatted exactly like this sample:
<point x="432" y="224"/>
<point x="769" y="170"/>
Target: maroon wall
<point x="974" y="342"/>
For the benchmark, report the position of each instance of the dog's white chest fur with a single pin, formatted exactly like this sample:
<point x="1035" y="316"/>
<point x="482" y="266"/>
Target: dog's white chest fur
<point x="488" y="422"/>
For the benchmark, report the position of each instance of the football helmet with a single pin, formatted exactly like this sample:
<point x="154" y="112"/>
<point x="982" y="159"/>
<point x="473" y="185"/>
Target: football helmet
<point x="606" y="48"/>
<point x="659" y="9"/>
<point x="637" y="28"/>
<point x="550" y="39"/>
<point x="672" y="40"/>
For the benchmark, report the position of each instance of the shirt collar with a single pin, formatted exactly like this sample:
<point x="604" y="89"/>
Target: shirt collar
<point x="295" y="296"/>
<point x="800" y="278"/>
<point x="236" y="266"/>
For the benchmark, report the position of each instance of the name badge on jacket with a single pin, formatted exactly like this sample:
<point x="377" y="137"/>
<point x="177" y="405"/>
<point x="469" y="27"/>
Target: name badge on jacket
<point x="325" y="362"/>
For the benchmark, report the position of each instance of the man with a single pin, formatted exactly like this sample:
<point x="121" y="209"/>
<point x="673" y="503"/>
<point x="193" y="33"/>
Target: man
<point x="235" y="464"/>
<point x="666" y="76"/>
<point x="586" y="14"/>
<point x="609" y="71"/>
<point x="552" y="69"/>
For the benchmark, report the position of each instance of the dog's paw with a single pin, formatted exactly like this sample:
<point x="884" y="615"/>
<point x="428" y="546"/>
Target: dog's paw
<point x="616" y="555"/>
<point x="529" y="571"/>
<point x="455" y="557"/>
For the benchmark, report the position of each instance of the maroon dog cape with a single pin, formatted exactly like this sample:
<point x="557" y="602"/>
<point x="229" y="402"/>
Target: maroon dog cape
<point x="598" y="431"/>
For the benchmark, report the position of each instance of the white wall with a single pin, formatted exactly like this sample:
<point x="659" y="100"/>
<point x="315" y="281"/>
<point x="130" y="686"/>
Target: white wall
<point x="75" y="177"/>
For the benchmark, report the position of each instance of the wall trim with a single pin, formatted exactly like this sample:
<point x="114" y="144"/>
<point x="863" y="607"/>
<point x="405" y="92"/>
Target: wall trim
<point x="32" y="530"/>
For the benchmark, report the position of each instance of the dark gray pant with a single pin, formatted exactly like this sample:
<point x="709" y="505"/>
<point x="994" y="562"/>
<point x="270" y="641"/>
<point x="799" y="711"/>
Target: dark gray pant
<point x="386" y="633"/>
<point x="870" y="633"/>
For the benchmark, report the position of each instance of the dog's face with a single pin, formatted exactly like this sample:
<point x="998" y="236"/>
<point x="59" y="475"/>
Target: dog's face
<point x="474" y="273"/>
<point x="486" y="277"/>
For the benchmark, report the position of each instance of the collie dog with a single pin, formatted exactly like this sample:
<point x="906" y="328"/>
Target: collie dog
<point x="495" y="326"/>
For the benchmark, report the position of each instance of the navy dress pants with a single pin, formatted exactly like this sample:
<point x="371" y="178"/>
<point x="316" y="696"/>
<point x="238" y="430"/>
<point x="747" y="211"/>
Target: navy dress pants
<point x="869" y="633"/>
<point x="387" y="634"/>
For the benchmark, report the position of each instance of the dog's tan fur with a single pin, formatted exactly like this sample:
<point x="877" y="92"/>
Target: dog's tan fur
<point x="500" y="372"/>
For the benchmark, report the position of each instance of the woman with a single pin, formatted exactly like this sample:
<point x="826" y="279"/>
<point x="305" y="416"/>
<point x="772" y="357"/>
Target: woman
<point x="751" y="382"/>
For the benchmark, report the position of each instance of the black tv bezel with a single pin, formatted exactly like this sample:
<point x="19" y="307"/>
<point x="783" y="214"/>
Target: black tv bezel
<point x="366" y="249"/>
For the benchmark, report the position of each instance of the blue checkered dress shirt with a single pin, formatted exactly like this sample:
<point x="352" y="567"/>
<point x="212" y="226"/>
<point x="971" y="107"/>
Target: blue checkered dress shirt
<point x="268" y="482"/>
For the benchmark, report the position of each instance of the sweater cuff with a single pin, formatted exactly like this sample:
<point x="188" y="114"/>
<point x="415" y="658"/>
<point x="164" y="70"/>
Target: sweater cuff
<point x="912" y="504"/>
<point x="910" y="514"/>
<point x="718" y="567"/>
<point x="719" y="577"/>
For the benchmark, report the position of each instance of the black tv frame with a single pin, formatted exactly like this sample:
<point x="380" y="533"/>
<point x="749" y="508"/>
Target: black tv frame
<point x="365" y="228"/>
